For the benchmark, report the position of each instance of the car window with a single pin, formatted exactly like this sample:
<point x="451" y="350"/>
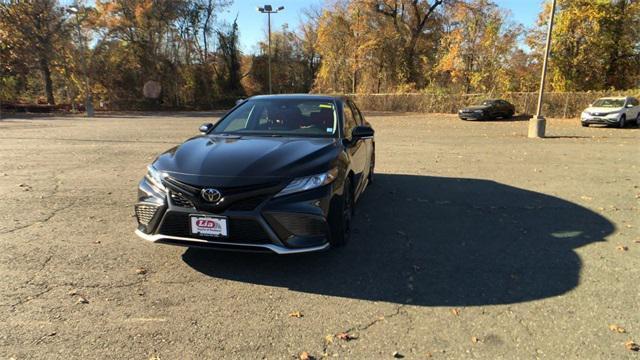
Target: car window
<point x="609" y="103"/>
<point x="635" y="102"/>
<point x="349" y="121"/>
<point x="356" y="113"/>
<point x="285" y="117"/>
<point x="238" y="119"/>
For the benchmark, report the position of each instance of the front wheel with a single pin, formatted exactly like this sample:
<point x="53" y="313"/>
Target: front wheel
<point x="638" y="120"/>
<point x="341" y="215"/>
<point x="623" y="122"/>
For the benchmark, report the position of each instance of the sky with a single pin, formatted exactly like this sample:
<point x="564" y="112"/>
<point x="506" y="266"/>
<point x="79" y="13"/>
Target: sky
<point x="253" y="25"/>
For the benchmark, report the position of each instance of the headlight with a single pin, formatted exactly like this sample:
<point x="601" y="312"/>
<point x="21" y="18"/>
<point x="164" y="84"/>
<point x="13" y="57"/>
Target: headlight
<point x="155" y="177"/>
<point x="478" y="111"/>
<point x="309" y="182"/>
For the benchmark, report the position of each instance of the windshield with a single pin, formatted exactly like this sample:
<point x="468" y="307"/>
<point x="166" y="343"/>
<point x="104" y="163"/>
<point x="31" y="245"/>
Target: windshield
<point x="281" y="117"/>
<point x="609" y="103"/>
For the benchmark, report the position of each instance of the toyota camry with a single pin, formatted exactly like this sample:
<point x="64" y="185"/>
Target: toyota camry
<point x="277" y="173"/>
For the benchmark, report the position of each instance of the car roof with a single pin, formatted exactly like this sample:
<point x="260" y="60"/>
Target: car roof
<point x="301" y="97"/>
<point x="614" y="98"/>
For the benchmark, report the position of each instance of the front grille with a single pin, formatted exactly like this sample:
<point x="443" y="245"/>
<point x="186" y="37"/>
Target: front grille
<point x="240" y="230"/>
<point x="180" y="200"/>
<point x="145" y="213"/>
<point x="244" y="198"/>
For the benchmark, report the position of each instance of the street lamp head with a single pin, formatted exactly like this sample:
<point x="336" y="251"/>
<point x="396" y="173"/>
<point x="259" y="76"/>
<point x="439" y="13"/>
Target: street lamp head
<point x="280" y="8"/>
<point x="268" y="8"/>
<point x="260" y="9"/>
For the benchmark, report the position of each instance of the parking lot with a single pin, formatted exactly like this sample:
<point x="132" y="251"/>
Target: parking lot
<point x="473" y="242"/>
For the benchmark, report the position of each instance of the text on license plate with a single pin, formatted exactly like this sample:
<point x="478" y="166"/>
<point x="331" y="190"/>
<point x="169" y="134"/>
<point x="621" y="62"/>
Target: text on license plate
<point x="209" y="226"/>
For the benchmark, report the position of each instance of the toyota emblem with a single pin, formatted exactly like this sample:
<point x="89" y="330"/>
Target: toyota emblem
<point x="211" y="195"/>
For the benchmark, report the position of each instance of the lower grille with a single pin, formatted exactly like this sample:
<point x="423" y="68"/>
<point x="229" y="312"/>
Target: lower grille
<point x="145" y="213"/>
<point x="240" y="230"/>
<point x="301" y="225"/>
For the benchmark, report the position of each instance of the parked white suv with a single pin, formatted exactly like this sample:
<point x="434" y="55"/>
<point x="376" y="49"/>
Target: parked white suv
<point x="612" y="111"/>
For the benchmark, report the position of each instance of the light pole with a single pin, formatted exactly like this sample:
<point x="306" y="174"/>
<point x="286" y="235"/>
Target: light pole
<point x="538" y="124"/>
<point x="87" y="89"/>
<point x="268" y="9"/>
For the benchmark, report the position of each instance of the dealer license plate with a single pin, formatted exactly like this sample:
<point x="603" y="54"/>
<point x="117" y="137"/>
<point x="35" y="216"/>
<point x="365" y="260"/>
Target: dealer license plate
<point x="209" y="226"/>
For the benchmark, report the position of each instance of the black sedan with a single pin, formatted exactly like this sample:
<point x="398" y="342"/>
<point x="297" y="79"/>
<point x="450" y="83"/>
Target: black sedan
<point x="488" y="110"/>
<point x="276" y="174"/>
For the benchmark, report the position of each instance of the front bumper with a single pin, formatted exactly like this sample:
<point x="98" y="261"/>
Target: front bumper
<point x="471" y="116"/>
<point x="257" y="222"/>
<point x="600" y="120"/>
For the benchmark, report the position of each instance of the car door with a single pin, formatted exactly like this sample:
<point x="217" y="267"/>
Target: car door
<point x="368" y="143"/>
<point x="356" y="149"/>
<point x="495" y="109"/>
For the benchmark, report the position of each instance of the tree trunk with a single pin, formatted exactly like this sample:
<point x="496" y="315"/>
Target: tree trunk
<point x="48" y="84"/>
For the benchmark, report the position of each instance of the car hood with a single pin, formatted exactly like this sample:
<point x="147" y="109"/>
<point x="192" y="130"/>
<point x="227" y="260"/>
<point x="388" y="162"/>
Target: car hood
<point x="230" y="161"/>
<point x="477" y="107"/>
<point x="603" y="110"/>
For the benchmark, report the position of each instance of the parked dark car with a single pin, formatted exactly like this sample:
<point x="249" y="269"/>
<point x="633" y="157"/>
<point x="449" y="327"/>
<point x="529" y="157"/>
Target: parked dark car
<point x="278" y="173"/>
<point x="488" y="110"/>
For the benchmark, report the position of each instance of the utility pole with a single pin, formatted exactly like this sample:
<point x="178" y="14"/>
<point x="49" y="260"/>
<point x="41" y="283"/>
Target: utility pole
<point x="538" y="124"/>
<point x="268" y="9"/>
<point x="83" y="54"/>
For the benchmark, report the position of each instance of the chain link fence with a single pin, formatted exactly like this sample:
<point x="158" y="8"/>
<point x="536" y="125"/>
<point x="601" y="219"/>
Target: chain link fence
<point x="556" y="104"/>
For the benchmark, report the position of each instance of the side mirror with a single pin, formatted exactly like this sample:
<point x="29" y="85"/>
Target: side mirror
<point x="362" y="132"/>
<point x="204" y="128"/>
<point x="239" y="101"/>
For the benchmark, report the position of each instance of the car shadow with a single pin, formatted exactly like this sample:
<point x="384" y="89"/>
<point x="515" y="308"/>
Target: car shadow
<point x="435" y="241"/>
<point x="518" y="117"/>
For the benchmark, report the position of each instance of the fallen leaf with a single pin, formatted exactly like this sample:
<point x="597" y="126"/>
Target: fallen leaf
<point x="397" y="355"/>
<point x="631" y="346"/>
<point x="637" y="241"/>
<point x="141" y="271"/>
<point x="82" y="300"/>
<point x="346" y="336"/>
<point x="585" y="197"/>
<point x="622" y="248"/>
<point x="616" y="328"/>
<point x="475" y="340"/>
<point x="296" y="314"/>
<point x="328" y="339"/>
<point x="305" y="356"/>
<point x="455" y="312"/>
<point x="72" y="292"/>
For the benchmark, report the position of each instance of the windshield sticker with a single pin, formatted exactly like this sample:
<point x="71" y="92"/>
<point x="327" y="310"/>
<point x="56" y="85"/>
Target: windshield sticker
<point x="329" y="130"/>
<point x="326" y="106"/>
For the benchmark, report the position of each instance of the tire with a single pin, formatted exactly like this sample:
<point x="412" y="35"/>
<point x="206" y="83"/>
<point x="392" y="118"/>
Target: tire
<point x="585" y="125"/>
<point x="638" y="120"/>
<point x="623" y="122"/>
<point x="341" y="216"/>
<point x="509" y="115"/>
